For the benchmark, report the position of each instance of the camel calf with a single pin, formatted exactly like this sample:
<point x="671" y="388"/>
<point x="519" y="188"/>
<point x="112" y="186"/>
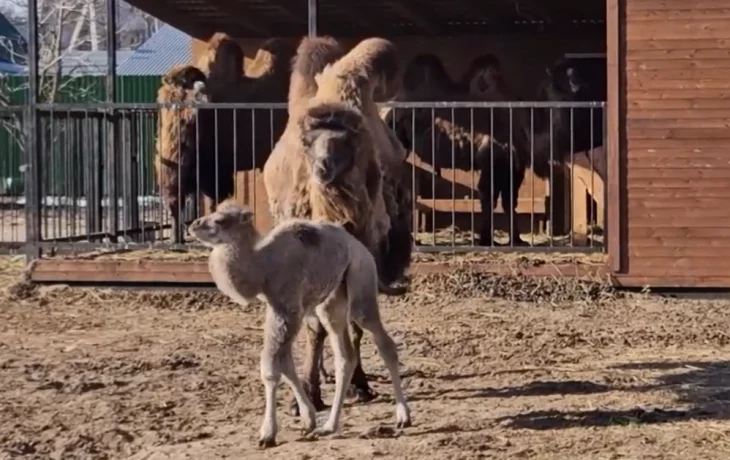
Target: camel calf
<point x="304" y="270"/>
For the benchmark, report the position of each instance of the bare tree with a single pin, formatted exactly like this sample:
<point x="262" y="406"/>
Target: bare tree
<point x="67" y="30"/>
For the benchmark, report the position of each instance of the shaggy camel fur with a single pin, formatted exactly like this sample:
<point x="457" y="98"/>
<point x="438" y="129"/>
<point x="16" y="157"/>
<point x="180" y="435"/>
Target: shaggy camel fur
<point x="176" y="148"/>
<point x="560" y="132"/>
<point x="304" y="179"/>
<point x="226" y="140"/>
<point x="301" y="268"/>
<point x="239" y="140"/>
<point x="465" y="138"/>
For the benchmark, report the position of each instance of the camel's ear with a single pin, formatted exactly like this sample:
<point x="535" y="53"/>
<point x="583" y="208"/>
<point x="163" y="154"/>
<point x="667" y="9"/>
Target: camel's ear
<point x="166" y="80"/>
<point x="480" y="83"/>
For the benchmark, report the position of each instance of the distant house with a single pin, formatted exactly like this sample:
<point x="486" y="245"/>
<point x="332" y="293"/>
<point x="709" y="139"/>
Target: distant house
<point x="13" y="48"/>
<point x="90" y="63"/>
<point x="166" y="48"/>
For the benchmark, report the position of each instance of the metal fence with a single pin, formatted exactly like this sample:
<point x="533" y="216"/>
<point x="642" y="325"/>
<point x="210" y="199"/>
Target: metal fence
<point x="483" y="176"/>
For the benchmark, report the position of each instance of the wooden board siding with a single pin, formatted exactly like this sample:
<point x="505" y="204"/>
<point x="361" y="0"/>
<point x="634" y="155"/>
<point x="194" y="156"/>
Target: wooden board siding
<point x="677" y="77"/>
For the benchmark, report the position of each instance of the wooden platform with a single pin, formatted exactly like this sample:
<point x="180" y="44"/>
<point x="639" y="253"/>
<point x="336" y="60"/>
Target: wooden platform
<point x="196" y="272"/>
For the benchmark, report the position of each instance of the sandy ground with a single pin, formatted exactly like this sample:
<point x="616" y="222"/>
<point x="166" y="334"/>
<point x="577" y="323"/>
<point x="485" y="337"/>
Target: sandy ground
<point x="580" y="372"/>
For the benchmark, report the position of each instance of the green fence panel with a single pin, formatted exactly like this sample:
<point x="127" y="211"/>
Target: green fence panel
<point x="69" y="141"/>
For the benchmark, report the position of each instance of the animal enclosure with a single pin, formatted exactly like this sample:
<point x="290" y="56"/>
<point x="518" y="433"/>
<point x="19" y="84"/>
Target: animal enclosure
<point x="559" y="128"/>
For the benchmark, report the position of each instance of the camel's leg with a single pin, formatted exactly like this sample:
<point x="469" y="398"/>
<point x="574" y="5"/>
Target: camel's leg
<point x="334" y="316"/>
<point x="369" y="318"/>
<point x="316" y="334"/>
<point x="363" y="392"/>
<point x="177" y="226"/>
<point x="487" y="199"/>
<point x="509" y="190"/>
<point x="280" y="331"/>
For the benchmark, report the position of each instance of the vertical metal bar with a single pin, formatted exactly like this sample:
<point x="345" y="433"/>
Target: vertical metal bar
<point x="234" y="152"/>
<point x="131" y="175"/>
<point x="161" y="209"/>
<point x="137" y="134"/>
<point x="473" y="170"/>
<point x="552" y="184"/>
<point x="215" y="163"/>
<point x="512" y="199"/>
<point x="180" y="203"/>
<point x="68" y="175"/>
<point x="532" y="178"/>
<point x="111" y="90"/>
<point x="312" y="18"/>
<point x="197" y="212"/>
<point x="491" y="176"/>
<point x="453" y="185"/>
<point x="252" y="182"/>
<point x="51" y="176"/>
<point x="433" y="176"/>
<point x="591" y="217"/>
<point x="605" y="178"/>
<point x="33" y="159"/>
<point x="572" y="177"/>
<point x="415" y="190"/>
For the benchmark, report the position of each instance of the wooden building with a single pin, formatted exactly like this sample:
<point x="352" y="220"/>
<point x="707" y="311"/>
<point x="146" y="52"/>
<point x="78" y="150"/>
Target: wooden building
<point x="668" y="107"/>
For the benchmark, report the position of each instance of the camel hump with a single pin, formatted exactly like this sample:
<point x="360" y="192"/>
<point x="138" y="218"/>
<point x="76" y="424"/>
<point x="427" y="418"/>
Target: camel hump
<point x="313" y="55"/>
<point x="378" y="58"/>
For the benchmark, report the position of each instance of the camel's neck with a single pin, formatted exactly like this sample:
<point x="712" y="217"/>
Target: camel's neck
<point x="236" y="271"/>
<point x="342" y="203"/>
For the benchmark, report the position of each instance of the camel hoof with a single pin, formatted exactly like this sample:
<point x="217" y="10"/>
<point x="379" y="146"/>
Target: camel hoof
<point x="324" y="431"/>
<point x="364" y="395"/>
<point x="267" y="442"/>
<point x="403" y="424"/>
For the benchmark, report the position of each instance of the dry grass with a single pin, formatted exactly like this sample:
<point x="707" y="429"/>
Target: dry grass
<point x="453" y="236"/>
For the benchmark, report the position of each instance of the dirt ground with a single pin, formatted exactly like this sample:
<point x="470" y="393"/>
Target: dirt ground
<point x="494" y="368"/>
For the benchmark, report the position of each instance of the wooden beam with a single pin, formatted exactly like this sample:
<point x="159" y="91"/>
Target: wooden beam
<point x="614" y="233"/>
<point x="238" y="14"/>
<point x="293" y="16"/>
<point x="130" y="272"/>
<point x="172" y="16"/>
<point x="412" y="16"/>
<point x="356" y="15"/>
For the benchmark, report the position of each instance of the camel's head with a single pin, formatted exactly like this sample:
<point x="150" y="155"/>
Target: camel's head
<point x="425" y="79"/>
<point x="483" y="78"/>
<point x="230" y="223"/>
<point x="564" y="81"/>
<point x="223" y="57"/>
<point x="187" y="82"/>
<point x="330" y="136"/>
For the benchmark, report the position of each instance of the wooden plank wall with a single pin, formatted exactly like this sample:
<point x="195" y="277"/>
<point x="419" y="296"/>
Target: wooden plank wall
<point x="677" y="73"/>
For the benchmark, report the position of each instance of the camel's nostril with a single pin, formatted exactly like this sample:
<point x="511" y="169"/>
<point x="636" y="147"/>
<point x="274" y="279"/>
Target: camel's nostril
<point x="324" y="165"/>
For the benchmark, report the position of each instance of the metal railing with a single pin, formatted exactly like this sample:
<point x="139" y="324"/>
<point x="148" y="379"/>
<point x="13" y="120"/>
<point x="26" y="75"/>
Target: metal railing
<point x="483" y="175"/>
